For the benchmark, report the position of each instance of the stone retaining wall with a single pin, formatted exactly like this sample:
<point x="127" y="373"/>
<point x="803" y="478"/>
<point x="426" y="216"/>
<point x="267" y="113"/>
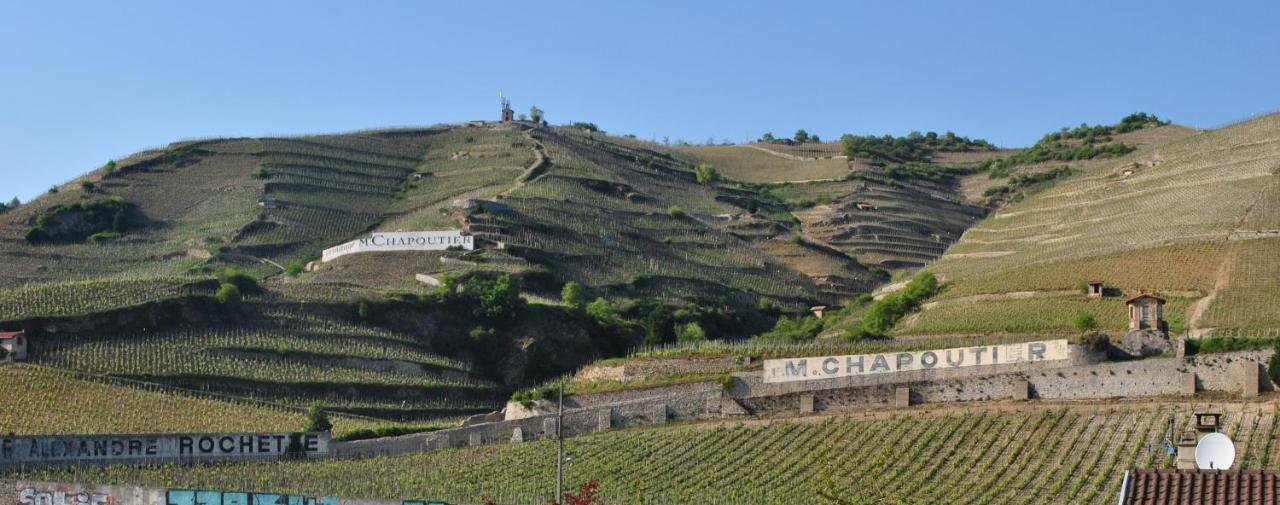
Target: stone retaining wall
<point x="585" y="414"/>
<point x="751" y="384"/>
<point x="1226" y="373"/>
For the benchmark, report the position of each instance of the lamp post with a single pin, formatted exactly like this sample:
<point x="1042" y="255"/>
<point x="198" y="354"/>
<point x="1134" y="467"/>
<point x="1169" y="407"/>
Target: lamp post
<point x="560" y="442"/>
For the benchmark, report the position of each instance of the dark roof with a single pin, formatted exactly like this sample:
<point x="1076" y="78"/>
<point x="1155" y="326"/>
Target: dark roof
<point x="1201" y="487"/>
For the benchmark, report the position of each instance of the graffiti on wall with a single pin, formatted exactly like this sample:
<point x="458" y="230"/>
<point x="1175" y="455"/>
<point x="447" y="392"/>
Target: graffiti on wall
<point x="32" y="496"/>
<point x="200" y="497"/>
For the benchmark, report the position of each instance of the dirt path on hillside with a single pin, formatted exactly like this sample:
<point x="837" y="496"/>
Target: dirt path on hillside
<point x="541" y="164"/>
<point x="1198" y="308"/>
<point x="1225" y="269"/>
<point x="791" y="156"/>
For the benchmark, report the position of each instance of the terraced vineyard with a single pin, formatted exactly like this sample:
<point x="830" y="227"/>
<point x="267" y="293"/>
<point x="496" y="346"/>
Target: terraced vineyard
<point x="885" y="222"/>
<point x="1008" y="454"/>
<point x="56" y="402"/>
<point x="602" y="216"/>
<point x="756" y="163"/>
<point x="1189" y="217"/>
<point x="296" y="360"/>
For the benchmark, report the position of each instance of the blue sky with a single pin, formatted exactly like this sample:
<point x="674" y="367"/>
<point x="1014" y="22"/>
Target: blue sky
<point x="84" y="82"/>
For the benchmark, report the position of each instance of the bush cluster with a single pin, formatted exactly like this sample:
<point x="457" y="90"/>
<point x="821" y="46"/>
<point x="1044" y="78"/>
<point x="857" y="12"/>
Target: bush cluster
<point x="78" y="221"/>
<point x="913" y="147"/>
<point x="884" y="313"/>
<point x="1021" y="181"/>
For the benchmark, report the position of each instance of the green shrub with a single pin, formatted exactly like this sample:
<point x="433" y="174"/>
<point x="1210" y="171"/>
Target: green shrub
<point x="293" y="268"/>
<point x="77" y="221"/>
<point x="261" y="173"/>
<point x="109" y="167"/>
<point x="246" y="283"/>
<point x="705" y="173"/>
<point x="1084" y="321"/>
<point x="659" y="326"/>
<point x="1216" y="344"/>
<point x="493" y="302"/>
<point x="87" y="186"/>
<point x="228" y="294"/>
<point x="793" y="330"/>
<point x="362" y="310"/>
<point x="573" y="296"/>
<point x="691" y="332"/>
<point x="317" y="420"/>
<point x="675" y="212"/>
<point x="883" y="314"/>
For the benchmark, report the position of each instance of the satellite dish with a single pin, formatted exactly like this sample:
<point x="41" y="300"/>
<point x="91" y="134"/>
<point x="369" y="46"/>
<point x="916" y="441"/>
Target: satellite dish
<point x="1215" y="452"/>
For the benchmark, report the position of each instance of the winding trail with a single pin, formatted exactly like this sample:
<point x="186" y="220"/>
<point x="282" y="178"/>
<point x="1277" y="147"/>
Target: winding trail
<point x="541" y="164"/>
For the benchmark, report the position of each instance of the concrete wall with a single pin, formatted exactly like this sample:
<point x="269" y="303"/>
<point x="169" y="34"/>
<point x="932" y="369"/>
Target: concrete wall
<point x="751" y="384"/>
<point x="1227" y="373"/>
<point x="583" y="414"/>
<point x="49" y="493"/>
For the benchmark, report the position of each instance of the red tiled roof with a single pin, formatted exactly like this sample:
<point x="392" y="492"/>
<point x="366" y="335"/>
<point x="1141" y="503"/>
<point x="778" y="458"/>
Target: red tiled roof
<point x="1202" y="487"/>
<point x="9" y="334"/>
<point x="1144" y="294"/>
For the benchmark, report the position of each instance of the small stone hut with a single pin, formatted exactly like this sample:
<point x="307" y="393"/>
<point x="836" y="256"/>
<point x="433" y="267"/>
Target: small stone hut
<point x="1146" y="312"/>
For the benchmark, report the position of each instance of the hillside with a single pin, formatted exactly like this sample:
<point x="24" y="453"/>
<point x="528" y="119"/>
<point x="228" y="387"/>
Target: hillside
<point x="1191" y="217"/>
<point x="121" y="273"/>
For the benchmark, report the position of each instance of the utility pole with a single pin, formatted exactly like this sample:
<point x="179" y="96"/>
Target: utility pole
<point x="560" y="443"/>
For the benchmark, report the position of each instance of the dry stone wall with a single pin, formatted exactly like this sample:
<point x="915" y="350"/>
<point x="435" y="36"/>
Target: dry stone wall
<point x="1231" y="373"/>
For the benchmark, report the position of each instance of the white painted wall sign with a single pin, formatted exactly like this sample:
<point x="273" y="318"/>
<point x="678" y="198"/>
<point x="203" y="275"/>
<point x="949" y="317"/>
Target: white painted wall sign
<point x="830" y="367"/>
<point x="16" y="451"/>
<point x="402" y="241"/>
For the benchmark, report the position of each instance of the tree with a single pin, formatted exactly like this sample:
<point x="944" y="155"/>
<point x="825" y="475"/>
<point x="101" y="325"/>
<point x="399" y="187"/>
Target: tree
<point x="604" y="313"/>
<point x="814" y="138"/>
<point x="658" y="326"/>
<point x="706" y="173"/>
<point x="109" y="167"/>
<point x="317" y="420"/>
<point x="691" y="332"/>
<point x="499" y="300"/>
<point x="573" y="295"/>
<point x="228" y="294"/>
<point x="801" y="136"/>
<point x="535" y="114"/>
<point x="768" y="137"/>
<point x="1084" y="322"/>
<point x="247" y="283"/>
<point x="14" y="203"/>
